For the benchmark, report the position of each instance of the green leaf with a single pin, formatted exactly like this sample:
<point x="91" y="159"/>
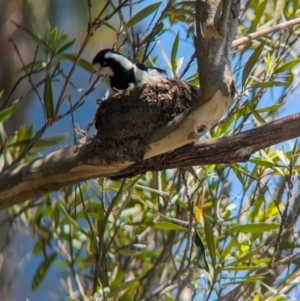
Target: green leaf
<point x="166" y="226"/>
<point x="258" y="13"/>
<point x="241" y="268"/>
<point x="70" y="220"/>
<point x="84" y="64"/>
<point x="268" y="84"/>
<point x="254" y="228"/>
<point x="66" y="46"/>
<point x="145" y="12"/>
<point x="123" y="286"/>
<point x="287" y="66"/>
<point x="41" y="271"/>
<point x="169" y="298"/>
<point x="6" y="113"/>
<point x="30" y="66"/>
<point x="131" y="249"/>
<point x="201" y="252"/>
<point x="228" y="247"/>
<point x="110" y="26"/>
<point x="270" y="108"/>
<point x="256" y="114"/>
<point x="41" y="142"/>
<point x="38" y="247"/>
<point x="263" y="163"/>
<point x="50" y="141"/>
<point x="282" y="156"/>
<point x="153" y="33"/>
<point x="210" y="240"/>
<point x="129" y="293"/>
<point x="61" y="39"/>
<point x="251" y="62"/>
<point x="48" y="97"/>
<point x="246" y="256"/>
<point x="174" y="54"/>
<point x="53" y="34"/>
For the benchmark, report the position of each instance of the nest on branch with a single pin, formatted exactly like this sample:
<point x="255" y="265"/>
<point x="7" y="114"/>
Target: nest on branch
<point x="125" y="121"/>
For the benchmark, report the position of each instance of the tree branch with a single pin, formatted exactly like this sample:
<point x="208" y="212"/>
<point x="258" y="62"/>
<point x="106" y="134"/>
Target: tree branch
<point x="78" y="163"/>
<point x="217" y="86"/>
<point x="264" y="32"/>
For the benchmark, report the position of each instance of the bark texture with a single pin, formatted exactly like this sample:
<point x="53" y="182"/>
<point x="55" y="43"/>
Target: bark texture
<point x="78" y="163"/>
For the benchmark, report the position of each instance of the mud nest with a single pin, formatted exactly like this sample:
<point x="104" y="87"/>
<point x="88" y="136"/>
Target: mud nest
<point x="125" y="121"/>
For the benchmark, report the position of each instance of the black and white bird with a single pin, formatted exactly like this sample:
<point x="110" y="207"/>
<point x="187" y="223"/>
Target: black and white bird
<point x="122" y="72"/>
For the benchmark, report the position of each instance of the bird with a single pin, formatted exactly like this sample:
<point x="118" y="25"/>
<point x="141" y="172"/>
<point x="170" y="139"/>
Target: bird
<point x="122" y="72"/>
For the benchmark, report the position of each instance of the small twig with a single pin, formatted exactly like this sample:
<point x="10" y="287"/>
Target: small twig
<point x="101" y="248"/>
<point x="89" y="4"/>
<point x="265" y="32"/>
<point x="145" y="56"/>
<point x="99" y="23"/>
<point x="103" y="10"/>
<point x="28" y="74"/>
<point x="187" y="67"/>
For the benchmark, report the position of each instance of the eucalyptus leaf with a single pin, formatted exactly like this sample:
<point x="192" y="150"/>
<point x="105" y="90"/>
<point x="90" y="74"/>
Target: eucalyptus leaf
<point x="6" y="113"/>
<point x="252" y="61"/>
<point x="41" y="271"/>
<point x="142" y="14"/>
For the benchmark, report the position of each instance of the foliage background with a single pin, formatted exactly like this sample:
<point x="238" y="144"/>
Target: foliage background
<point x="247" y="213"/>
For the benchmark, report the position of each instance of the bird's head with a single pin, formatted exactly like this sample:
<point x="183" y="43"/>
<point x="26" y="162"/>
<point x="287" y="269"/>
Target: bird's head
<point x="101" y="63"/>
<point x="109" y="62"/>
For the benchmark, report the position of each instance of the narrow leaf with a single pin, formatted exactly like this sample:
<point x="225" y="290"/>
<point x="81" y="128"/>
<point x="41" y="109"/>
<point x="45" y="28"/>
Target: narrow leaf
<point x="228" y="247"/>
<point x="122" y="286"/>
<point x="167" y="226"/>
<point x="48" y="97"/>
<point x="174" y="53"/>
<point x="198" y="209"/>
<point x="246" y="256"/>
<point x="129" y="293"/>
<point x="41" y="271"/>
<point x="153" y="33"/>
<point x="41" y="142"/>
<point x="70" y="220"/>
<point x="210" y="241"/>
<point x="169" y="298"/>
<point x="201" y="252"/>
<point x="84" y="64"/>
<point x="6" y="113"/>
<point x="287" y="66"/>
<point x="254" y="228"/>
<point x="145" y="12"/>
<point x="53" y="34"/>
<point x="65" y="47"/>
<point x="30" y="66"/>
<point x="256" y="114"/>
<point x="251" y="62"/>
<point x="263" y="163"/>
<point x="270" y="108"/>
<point x="269" y="84"/>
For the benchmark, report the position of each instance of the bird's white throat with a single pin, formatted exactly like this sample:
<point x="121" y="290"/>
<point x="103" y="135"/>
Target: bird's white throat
<point x="103" y="70"/>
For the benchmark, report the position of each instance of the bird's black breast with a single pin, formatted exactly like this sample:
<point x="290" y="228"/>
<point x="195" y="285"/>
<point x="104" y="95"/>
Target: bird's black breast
<point x="122" y="78"/>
